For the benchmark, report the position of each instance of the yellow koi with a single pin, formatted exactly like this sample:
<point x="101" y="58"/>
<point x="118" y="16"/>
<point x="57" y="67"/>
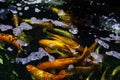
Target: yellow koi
<point x="54" y="46"/>
<point x="58" y="46"/>
<point x="63" y="15"/>
<point x="47" y="24"/>
<point x="68" y="41"/>
<point x="11" y="39"/>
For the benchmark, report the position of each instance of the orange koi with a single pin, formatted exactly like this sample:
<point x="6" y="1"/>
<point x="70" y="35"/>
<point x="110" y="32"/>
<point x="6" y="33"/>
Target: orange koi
<point x="48" y="24"/>
<point x="15" y="20"/>
<point x="89" y="50"/>
<point x="11" y="39"/>
<point x="92" y="47"/>
<point x="43" y="75"/>
<point x="57" y="64"/>
<point x="83" y="68"/>
<point x="61" y="63"/>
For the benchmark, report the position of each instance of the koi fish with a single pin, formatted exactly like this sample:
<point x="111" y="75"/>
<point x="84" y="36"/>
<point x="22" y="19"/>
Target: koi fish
<point x="63" y="15"/>
<point x="15" y="20"/>
<point x="46" y="24"/>
<point x="57" y="45"/>
<point x="79" y="70"/>
<point x="43" y="75"/>
<point x="61" y="63"/>
<point x="68" y="41"/>
<point x="57" y="64"/>
<point x="11" y="39"/>
<point x="92" y="47"/>
<point x="63" y="32"/>
<point x="54" y="46"/>
<point x="89" y="50"/>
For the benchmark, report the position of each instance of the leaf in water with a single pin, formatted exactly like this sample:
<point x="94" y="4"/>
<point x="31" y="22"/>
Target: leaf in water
<point x="116" y="70"/>
<point x="44" y="30"/>
<point x="7" y="57"/>
<point x="97" y="50"/>
<point x="23" y="37"/>
<point x="1" y="61"/>
<point x="2" y="45"/>
<point x="13" y="71"/>
<point x="33" y="77"/>
<point x="90" y="75"/>
<point x="104" y="74"/>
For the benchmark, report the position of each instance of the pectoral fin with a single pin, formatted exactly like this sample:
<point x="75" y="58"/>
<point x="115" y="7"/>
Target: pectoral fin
<point x="50" y="50"/>
<point x="72" y="50"/>
<point x="61" y="53"/>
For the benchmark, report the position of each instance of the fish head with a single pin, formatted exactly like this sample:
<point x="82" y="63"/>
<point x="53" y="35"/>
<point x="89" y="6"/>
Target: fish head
<point x="53" y="44"/>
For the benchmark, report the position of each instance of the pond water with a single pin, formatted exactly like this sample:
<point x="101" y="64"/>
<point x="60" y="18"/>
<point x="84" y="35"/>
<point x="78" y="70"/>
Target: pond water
<point x="59" y="40"/>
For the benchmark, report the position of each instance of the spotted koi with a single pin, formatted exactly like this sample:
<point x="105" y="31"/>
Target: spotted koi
<point x="11" y="39"/>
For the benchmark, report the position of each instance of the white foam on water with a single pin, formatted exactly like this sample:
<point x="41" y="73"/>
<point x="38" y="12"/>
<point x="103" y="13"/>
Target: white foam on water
<point x="3" y="1"/>
<point x="19" y="8"/>
<point x="59" y="23"/>
<point x="71" y="66"/>
<point x="18" y="4"/>
<point x="26" y="8"/>
<point x="20" y="13"/>
<point x="5" y="27"/>
<point x="9" y="49"/>
<point x="22" y="42"/>
<point x="32" y="1"/>
<point x="37" y="10"/>
<point x="13" y="9"/>
<point x="17" y="31"/>
<point x="3" y="13"/>
<point x="25" y="26"/>
<point x="102" y="43"/>
<point x="73" y="29"/>
<point x="111" y="37"/>
<point x="113" y="53"/>
<point x="98" y="57"/>
<point x="110" y="24"/>
<point x="35" y="56"/>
